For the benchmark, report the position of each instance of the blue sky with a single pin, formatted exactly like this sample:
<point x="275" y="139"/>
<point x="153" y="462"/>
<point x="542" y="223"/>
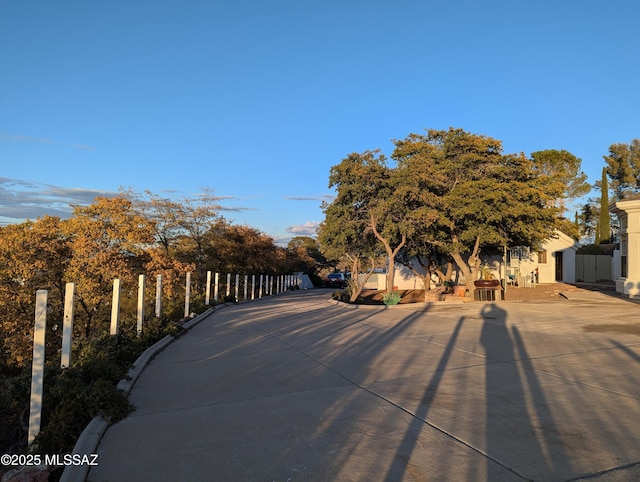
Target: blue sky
<point x="258" y="99"/>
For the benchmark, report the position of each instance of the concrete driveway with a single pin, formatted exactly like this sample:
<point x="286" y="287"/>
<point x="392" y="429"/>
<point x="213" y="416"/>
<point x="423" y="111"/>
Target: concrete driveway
<point x="296" y="387"/>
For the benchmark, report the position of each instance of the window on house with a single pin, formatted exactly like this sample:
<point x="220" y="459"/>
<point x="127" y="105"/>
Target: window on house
<point x="542" y="257"/>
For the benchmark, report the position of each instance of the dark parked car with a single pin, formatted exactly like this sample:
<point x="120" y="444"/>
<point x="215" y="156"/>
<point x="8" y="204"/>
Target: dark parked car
<point x="337" y="280"/>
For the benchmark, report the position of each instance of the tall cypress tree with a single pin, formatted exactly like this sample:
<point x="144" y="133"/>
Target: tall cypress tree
<point x="603" y="232"/>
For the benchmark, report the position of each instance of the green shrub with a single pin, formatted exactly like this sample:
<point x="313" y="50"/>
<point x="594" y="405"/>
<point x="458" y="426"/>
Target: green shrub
<point x="14" y="406"/>
<point x="173" y="309"/>
<point x="156" y="329"/>
<point x="72" y="397"/>
<point x="107" y="356"/>
<point x="197" y="305"/>
<point x="391" y="298"/>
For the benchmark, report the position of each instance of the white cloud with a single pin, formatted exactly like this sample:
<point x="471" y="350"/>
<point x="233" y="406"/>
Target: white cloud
<point x="321" y="198"/>
<point x="18" y="138"/>
<point x="236" y="209"/>
<point x="307" y="229"/>
<point x="4" y="137"/>
<point x="281" y="240"/>
<point x="20" y="200"/>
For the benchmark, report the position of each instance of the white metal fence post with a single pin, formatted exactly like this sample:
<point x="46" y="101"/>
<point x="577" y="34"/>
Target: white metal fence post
<point x="187" y="295"/>
<point x="140" y="312"/>
<point x="253" y="286"/>
<point x="158" y="295"/>
<point x="37" y="366"/>
<point x="115" y="308"/>
<point x="67" y="325"/>
<point x="207" y="295"/>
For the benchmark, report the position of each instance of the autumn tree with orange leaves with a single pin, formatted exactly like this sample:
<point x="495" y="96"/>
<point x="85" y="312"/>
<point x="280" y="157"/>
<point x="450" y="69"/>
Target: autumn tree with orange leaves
<point x="33" y="255"/>
<point x="120" y="237"/>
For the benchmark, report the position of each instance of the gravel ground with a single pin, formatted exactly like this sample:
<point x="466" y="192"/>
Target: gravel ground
<point x="553" y="290"/>
<point x="539" y="292"/>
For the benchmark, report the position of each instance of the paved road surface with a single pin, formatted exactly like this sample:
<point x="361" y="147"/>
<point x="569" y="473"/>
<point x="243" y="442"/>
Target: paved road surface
<point x="295" y="387"/>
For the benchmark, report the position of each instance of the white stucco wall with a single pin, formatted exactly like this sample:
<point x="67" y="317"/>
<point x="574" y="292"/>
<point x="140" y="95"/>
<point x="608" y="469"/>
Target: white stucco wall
<point x="628" y="212"/>
<point x="377" y="281"/>
<point x="547" y="271"/>
<point x="406" y="280"/>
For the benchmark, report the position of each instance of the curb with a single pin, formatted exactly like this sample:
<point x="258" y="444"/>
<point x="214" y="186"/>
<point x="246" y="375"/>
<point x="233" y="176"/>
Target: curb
<point x="90" y="437"/>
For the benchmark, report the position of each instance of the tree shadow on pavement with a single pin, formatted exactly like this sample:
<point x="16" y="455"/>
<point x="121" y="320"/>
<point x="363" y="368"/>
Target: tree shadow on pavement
<point x="399" y="466"/>
<point x="519" y="421"/>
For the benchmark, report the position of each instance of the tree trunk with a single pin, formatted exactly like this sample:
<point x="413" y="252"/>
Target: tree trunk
<point x="425" y="278"/>
<point x="444" y="276"/>
<point x="391" y="273"/>
<point x="356" y="286"/>
<point x="391" y="253"/>
<point x="89" y="313"/>
<point x="469" y="269"/>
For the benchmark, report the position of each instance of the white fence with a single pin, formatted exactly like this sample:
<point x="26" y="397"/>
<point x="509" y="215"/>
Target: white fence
<point x="260" y="286"/>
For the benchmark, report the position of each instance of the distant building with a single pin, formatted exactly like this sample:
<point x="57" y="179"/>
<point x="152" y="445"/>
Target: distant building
<point x="556" y="261"/>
